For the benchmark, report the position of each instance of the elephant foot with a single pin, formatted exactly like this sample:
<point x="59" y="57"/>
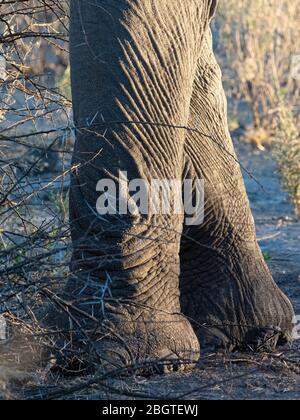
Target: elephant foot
<point x="241" y="308"/>
<point x="243" y="337"/>
<point x="160" y="344"/>
<point x="247" y="324"/>
<point x="263" y="340"/>
<point x="120" y="344"/>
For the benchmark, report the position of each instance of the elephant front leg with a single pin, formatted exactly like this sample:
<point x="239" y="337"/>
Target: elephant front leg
<point x="226" y="286"/>
<point x="125" y="289"/>
<point x="132" y="66"/>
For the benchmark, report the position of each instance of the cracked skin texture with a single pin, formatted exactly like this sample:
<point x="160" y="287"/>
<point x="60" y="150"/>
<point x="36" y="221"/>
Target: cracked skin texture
<point x="165" y="287"/>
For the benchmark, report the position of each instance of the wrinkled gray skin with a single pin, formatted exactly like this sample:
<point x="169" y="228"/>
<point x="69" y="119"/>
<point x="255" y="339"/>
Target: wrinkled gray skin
<point x="152" y="61"/>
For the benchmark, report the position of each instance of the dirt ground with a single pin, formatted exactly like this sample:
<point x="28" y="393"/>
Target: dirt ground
<point x="221" y="376"/>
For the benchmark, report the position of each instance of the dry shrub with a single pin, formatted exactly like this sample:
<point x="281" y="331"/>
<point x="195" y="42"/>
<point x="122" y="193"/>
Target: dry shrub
<point x="257" y="43"/>
<point x="287" y="150"/>
<point x="258" y="46"/>
<point x="36" y="132"/>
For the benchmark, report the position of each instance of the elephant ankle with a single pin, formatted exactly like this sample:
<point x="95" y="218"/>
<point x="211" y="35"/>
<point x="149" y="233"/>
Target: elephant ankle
<point x="127" y="340"/>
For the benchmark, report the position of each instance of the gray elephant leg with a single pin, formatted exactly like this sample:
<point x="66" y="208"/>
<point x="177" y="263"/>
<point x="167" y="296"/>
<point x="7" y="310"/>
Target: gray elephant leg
<point x="226" y="286"/>
<point x="132" y="64"/>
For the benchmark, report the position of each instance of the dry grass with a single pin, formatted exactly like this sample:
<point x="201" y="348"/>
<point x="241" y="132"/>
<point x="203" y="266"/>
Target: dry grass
<point x="287" y="151"/>
<point x="258" y="48"/>
<point x="258" y="41"/>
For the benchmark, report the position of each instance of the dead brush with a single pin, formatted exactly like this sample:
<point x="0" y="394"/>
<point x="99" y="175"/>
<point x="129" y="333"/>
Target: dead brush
<point x="257" y="43"/>
<point x="260" y="138"/>
<point x="287" y="153"/>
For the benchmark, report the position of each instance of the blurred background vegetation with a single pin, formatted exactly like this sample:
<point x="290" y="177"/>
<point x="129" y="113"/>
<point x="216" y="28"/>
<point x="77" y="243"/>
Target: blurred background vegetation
<point x="257" y="43"/>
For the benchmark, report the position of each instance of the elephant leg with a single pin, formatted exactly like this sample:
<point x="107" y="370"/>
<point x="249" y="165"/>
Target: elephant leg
<point x="132" y="65"/>
<point x="226" y="286"/>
